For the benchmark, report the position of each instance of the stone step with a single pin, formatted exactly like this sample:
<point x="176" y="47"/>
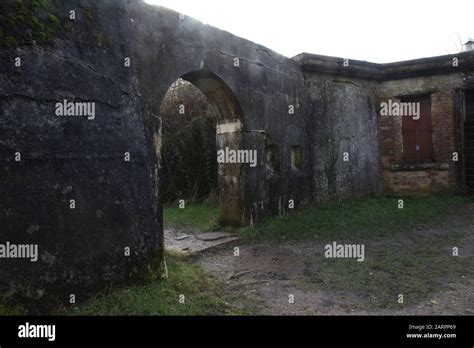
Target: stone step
<point x="189" y="242"/>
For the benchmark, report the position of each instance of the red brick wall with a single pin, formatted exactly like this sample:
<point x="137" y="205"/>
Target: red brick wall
<point x="447" y="139"/>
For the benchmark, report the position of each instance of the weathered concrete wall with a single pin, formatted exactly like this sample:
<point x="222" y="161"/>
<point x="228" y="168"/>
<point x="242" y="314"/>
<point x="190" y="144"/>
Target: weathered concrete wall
<point x="345" y="97"/>
<point x="345" y="134"/>
<point x="343" y="102"/>
<point x="261" y="87"/>
<point x="64" y="158"/>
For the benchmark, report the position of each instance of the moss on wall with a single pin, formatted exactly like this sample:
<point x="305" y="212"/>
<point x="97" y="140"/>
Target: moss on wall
<point x="28" y="22"/>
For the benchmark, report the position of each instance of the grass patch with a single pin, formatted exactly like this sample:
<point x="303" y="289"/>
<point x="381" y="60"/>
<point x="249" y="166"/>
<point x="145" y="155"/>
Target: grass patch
<point x="407" y="251"/>
<point x="204" y="295"/>
<point x="416" y="266"/>
<point x="7" y="309"/>
<point x="374" y="216"/>
<point x="203" y="216"/>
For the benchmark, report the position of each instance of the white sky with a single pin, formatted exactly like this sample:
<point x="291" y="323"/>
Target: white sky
<point x="377" y="31"/>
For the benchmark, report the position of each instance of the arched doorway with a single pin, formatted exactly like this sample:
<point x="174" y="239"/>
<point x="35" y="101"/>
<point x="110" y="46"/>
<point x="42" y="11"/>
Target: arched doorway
<point x="229" y="122"/>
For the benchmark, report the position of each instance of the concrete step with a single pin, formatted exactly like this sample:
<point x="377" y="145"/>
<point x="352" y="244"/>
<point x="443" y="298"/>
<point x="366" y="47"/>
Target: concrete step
<point x="190" y="242"/>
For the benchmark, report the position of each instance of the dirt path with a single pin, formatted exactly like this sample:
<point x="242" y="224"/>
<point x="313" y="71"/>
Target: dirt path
<point x="270" y="273"/>
<point x="273" y="273"/>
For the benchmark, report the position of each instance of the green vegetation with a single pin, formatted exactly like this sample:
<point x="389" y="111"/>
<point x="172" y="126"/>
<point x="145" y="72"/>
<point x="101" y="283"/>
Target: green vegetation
<point x="53" y="20"/>
<point x="408" y="251"/>
<point x="11" y="309"/>
<point x="356" y="218"/>
<point x="415" y="265"/>
<point x="24" y="22"/>
<point x="203" y="216"/>
<point x="188" y="150"/>
<point x="89" y="15"/>
<point x="204" y="295"/>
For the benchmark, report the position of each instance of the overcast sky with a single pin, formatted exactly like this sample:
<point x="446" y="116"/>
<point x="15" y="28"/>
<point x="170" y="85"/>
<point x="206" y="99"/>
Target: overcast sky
<point x="377" y="31"/>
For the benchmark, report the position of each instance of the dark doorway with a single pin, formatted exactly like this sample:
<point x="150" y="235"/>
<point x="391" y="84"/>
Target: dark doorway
<point x="418" y="133"/>
<point x="469" y="139"/>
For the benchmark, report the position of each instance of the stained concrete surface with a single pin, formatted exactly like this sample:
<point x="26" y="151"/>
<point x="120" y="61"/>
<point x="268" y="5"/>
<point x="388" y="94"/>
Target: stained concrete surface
<point x="192" y="241"/>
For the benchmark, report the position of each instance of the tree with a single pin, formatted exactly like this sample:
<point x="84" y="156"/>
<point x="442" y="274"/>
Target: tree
<point x="188" y="153"/>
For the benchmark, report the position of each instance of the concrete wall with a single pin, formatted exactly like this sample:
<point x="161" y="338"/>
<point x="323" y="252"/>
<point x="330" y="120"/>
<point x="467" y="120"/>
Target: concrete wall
<point x="64" y="158"/>
<point x="345" y="97"/>
<point x="117" y="201"/>
<point x="344" y="137"/>
<point x="263" y="84"/>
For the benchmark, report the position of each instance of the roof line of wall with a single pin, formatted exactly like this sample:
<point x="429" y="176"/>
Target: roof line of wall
<point x="452" y="63"/>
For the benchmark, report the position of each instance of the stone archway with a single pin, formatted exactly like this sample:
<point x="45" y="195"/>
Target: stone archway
<point x="229" y="128"/>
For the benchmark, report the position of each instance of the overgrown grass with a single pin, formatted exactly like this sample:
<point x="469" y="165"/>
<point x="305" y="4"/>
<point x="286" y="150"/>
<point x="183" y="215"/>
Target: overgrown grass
<point x="203" y="216"/>
<point x="374" y="216"/>
<point x="204" y="295"/>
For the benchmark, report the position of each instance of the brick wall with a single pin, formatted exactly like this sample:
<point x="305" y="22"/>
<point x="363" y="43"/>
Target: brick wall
<point x="396" y="177"/>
